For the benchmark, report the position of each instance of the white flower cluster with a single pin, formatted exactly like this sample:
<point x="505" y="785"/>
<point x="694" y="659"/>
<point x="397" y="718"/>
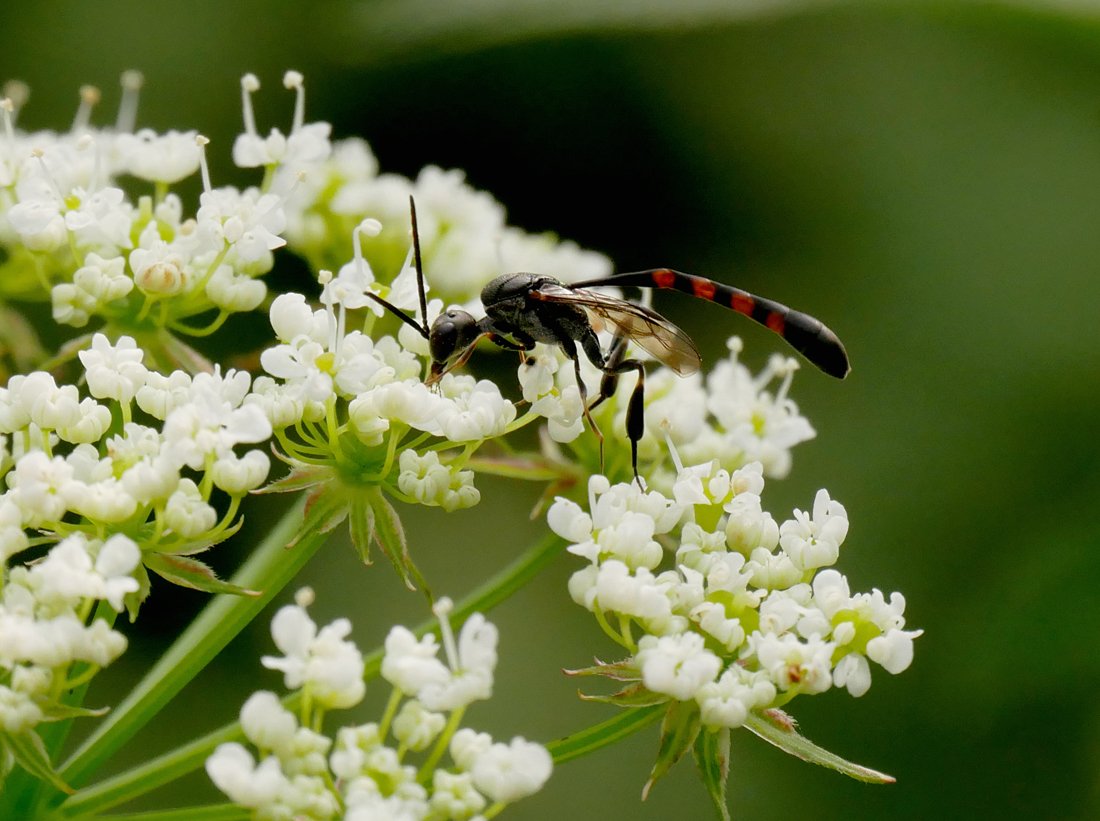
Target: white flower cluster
<point x="323" y="379"/>
<point x="44" y="624"/>
<point x="67" y="459"/>
<point x="108" y="256"/>
<point x="730" y="414"/>
<point x="748" y="617"/>
<point x="301" y="773"/>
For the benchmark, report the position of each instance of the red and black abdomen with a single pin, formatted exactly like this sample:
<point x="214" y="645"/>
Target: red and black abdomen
<point x="806" y="334"/>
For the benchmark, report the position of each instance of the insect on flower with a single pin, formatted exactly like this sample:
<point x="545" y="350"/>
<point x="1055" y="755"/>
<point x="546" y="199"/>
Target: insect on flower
<point x="522" y="309"/>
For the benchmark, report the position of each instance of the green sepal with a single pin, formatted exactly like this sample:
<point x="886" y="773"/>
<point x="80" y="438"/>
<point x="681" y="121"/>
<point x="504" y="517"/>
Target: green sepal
<point x="779" y="729"/>
<point x="188" y="572"/>
<point x="712" y="755"/>
<point x="636" y="695"/>
<point x="196" y="546"/>
<point x="300" y="477"/>
<point x="325" y="509"/>
<point x="29" y="752"/>
<point x="389" y="534"/>
<point x="361" y="528"/>
<point x="60" y="712"/>
<point x="679" y="728"/>
<point x="133" y="601"/>
<point x="625" y="670"/>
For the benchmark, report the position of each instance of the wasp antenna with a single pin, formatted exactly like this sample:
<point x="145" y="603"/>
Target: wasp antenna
<point x="397" y="312"/>
<point x="419" y="264"/>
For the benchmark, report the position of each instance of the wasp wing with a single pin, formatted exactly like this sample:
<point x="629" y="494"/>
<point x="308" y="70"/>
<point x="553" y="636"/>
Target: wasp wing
<point x="659" y="337"/>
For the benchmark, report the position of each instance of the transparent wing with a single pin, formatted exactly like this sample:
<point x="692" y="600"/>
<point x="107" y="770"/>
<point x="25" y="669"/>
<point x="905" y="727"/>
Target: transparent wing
<point x="667" y="343"/>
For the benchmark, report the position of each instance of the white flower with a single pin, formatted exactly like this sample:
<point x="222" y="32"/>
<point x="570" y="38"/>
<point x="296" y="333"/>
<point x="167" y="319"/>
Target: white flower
<point x="676" y="665"/>
<point x="853" y="673"/>
<point x="791" y="663"/>
<point x="410" y="664"/>
<point x="894" y="651"/>
<point x="509" y="772"/>
<point x="748" y="526"/>
<point x="638" y="594"/>
<point x="165" y="158"/>
<point x="728" y="701"/>
<point x="187" y="513"/>
<point x="416" y="727"/>
<point x="454" y="796"/>
<point x="430" y="482"/>
<point x="266" y="723"/>
<point x="237" y="476"/>
<point x="234" y="771"/>
<point x="114" y="371"/>
<point x="472" y="664"/>
<point x="815" y="542"/>
<point x="568" y="520"/>
<point x="235" y="292"/>
<point x="159" y="269"/>
<point x="330" y="668"/>
<point x="18" y="711"/>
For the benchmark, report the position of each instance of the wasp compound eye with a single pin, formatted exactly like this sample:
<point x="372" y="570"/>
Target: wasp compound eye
<point x="452" y="332"/>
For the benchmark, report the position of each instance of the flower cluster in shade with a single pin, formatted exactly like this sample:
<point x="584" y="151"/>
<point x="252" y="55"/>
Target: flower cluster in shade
<point x="46" y="630"/>
<point x="111" y="492"/>
<point x="292" y="770"/>
<point x="720" y="604"/>
<point x="69" y="224"/>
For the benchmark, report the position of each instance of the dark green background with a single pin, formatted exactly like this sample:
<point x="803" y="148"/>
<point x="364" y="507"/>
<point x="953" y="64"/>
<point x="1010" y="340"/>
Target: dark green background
<point x="925" y="177"/>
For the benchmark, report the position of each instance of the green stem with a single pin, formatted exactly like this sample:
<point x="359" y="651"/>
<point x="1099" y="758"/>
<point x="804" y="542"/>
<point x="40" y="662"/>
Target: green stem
<point x="269" y="569"/>
<point x="179" y="762"/>
<point x="441" y="745"/>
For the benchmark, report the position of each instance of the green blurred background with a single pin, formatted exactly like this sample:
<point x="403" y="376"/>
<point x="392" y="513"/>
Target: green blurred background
<point x="923" y="176"/>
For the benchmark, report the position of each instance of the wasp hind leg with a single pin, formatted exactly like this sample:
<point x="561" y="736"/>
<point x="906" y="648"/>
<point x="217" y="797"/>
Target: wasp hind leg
<point x="613" y="366"/>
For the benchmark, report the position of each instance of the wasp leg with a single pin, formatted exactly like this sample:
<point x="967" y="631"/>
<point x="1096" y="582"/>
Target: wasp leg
<point x="613" y="366"/>
<point x="521" y="344"/>
<point x="610" y="380"/>
<point x="570" y="349"/>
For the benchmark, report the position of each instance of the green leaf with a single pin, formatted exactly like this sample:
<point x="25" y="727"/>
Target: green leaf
<point x="187" y="572"/>
<point x="678" y="731"/>
<point x="777" y="728"/>
<point x="603" y="734"/>
<point x="636" y="695"/>
<point x="390" y="536"/>
<point x="712" y="754"/>
<point x="30" y="754"/>
<point x="361" y="528"/>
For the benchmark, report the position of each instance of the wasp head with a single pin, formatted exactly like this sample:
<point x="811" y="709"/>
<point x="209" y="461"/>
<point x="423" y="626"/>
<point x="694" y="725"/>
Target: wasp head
<point x="451" y="341"/>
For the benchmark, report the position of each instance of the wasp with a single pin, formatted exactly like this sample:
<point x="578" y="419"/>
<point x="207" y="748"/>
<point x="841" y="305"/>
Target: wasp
<point x="522" y="309"/>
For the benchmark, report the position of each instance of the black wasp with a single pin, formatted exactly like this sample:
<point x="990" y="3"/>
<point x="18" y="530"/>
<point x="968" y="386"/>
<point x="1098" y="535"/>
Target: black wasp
<point x="522" y="309"/>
